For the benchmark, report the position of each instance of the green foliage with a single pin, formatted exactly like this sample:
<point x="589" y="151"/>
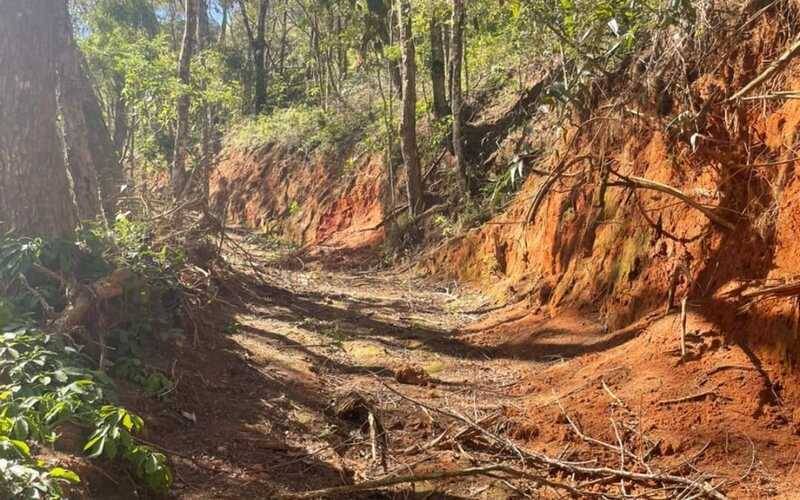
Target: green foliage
<point x="134" y="240"/>
<point x="501" y="188"/>
<point x="303" y="128"/>
<point x="135" y="65"/>
<point x="152" y="381"/>
<point x="113" y="437"/>
<point x="48" y="382"/>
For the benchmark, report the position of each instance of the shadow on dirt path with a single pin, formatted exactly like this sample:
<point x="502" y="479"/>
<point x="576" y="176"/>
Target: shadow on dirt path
<point x="251" y="416"/>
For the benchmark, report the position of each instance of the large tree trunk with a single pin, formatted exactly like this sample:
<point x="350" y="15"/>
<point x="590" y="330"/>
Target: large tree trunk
<point x="409" y="118"/>
<point x="440" y="106"/>
<point x="34" y="191"/>
<point x="456" y="55"/>
<point x="178" y="174"/>
<point x="91" y="159"/>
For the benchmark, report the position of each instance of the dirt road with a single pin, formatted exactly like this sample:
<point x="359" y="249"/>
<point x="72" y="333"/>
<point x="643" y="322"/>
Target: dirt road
<point x="254" y="414"/>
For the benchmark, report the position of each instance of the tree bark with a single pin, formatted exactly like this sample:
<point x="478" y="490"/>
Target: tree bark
<point x="258" y="49"/>
<point x="91" y="160"/>
<point x="440" y="106"/>
<point x="202" y="24"/>
<point x="409" y="118"/>
<point x="284" y="39"/>
<point x="34" y="190"/>
<point x="456" y="57"/>
<point x="178" y="173"/>
<point x="223" y="27"/>
<point x="120" y="126"/>
<point x="207" y="114"/>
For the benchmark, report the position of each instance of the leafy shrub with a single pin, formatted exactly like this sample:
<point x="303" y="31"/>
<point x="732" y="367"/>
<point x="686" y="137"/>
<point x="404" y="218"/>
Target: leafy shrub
<point x="47" y="381"/>
<point x="48" y="384"/>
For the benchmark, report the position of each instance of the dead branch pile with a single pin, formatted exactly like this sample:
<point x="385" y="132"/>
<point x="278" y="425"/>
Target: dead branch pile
<point x="633" y="473"/>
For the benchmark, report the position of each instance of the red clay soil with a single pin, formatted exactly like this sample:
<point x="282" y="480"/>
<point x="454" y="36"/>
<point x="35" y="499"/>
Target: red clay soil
<point x="721" y="406"/>
<point x="311" y="200"/>
<point x="618" y="262"/>
<point x="576" y="288"/>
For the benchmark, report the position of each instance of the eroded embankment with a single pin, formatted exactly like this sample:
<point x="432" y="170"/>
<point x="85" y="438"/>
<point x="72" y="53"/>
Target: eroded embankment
<point x="601" y="240"/>
<point x="328" y="201"/>
<point x="586" y="277"/>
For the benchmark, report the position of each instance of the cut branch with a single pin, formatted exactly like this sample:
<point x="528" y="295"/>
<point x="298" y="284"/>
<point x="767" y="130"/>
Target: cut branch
<point x="706" y="489"/>
<point x="548" y="184"/>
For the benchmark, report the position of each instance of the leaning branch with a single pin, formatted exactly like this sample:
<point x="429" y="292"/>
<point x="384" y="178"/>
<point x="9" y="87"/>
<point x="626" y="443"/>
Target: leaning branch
<point x="777" y="65"/>
<point x="642" y="183"/>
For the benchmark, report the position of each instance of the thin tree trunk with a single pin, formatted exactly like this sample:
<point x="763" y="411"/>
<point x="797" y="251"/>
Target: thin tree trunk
<point x="446" y="40"/>
<point x="440" y="106"/>
<point x="284" y="39"/>
<point x="120" y="131"/>
<point x="393" y="34"/>
<point x="34" y="190"/>
<point x="456" y="55"/>
<point x="202" y="24"/>
<point x="409" y="119"/>
<point x="260" y="100"/>
<point x="223" y="27"/>
<point x="207" y="113"/>
<point x="178" y="174"/>
<point x="258" y="46"/>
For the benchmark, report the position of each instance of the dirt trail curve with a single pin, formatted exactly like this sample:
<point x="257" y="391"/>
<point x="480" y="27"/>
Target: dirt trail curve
<point x="252" y="416"/>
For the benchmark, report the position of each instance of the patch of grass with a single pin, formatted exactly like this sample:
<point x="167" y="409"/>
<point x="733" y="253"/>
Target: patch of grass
<point x="434" y="367"/>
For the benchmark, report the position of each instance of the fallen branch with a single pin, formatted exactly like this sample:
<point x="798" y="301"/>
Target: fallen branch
<point x="683" y="327"/>
<point x="777" y="65"/>
<point x="434" y="165"/>
<point x="691" y="397"/>
<point x="542" y="460"/>
<point x="785" y="290"/>
<point x="376" y="484"/>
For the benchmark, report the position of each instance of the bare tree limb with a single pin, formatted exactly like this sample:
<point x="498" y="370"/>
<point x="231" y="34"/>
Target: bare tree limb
<point x="642" y="183"/>
<point x="433" y="476"/>
<point x="777" y="65"/>
<point x="707" y="490"/>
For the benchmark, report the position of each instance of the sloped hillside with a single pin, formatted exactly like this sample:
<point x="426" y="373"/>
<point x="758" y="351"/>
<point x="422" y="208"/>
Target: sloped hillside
<point x="633" y="205"/>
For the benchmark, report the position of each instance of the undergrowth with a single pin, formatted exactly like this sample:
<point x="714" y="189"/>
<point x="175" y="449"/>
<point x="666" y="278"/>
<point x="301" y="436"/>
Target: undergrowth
<point x="303" y="128"/>
<point x="50" y="381"/>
